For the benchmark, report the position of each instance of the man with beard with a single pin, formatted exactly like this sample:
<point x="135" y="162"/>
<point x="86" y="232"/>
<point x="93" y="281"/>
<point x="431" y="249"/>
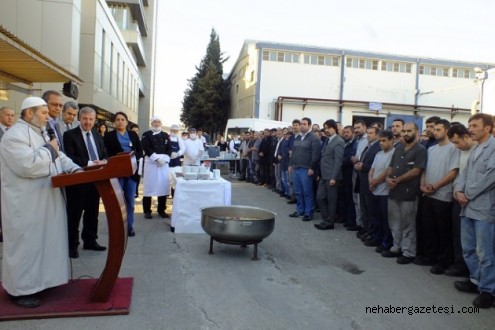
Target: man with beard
<point x="436" y="185"/>
<point x="362" y="142"/>
<point x="35" y="223"/>
<point x="403" y="178"/>
<point x="330" y="175"/>
<point x="347" y="209"/>
<point x="430" y="127"/>
<point x="397" y="126"/>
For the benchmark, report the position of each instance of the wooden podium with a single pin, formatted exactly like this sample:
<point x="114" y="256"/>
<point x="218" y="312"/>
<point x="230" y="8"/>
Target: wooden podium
<point x="106" y="179"/>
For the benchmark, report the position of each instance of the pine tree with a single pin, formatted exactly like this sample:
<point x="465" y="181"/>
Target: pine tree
<point x="206" y="99"/>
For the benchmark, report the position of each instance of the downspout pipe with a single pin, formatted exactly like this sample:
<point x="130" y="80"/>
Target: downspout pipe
<point x="341" y="89"/>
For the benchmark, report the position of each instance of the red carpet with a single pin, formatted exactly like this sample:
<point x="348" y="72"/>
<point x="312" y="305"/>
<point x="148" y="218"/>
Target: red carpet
<point x="70" y="300"/>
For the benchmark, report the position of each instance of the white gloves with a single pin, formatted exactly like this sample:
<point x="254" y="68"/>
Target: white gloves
<point x="174" y="155"/>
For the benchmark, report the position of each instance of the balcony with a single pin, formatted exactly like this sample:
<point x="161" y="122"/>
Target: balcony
<point x="133" y="40"/>
<point x="137" y="11"/>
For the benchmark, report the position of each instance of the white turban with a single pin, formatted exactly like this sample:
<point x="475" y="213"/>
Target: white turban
<point x="156" y="117"/>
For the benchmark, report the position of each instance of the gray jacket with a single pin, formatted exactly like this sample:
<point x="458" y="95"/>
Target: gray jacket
<point x="331" y="159"/>
<point x="477" y="181"/>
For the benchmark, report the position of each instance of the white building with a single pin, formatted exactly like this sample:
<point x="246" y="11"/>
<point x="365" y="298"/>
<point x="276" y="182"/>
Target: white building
<point x="106" y="47"/>
<point x="283" y="81"/>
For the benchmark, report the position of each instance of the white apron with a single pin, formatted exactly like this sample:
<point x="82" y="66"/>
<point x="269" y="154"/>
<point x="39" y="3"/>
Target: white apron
<point x="155" y="180"/>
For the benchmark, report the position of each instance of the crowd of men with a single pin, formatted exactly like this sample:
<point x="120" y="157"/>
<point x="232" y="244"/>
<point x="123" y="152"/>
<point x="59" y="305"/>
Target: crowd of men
<point x="427" y="201"/>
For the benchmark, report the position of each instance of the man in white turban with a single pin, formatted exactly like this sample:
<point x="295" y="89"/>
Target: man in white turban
<point x="35" y="248"/>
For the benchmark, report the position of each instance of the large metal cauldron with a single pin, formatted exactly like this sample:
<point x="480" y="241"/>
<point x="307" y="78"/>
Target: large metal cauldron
<point x="238" y="225"/>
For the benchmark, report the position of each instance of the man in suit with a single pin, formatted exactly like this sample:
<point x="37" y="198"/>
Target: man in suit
<point x="85" y="148"/>
<point x="68" y="119"/>
<point x="330" y="173"/>
<point x="54" y="101"/>
<point x="363" y="168"/>
<point x="7" y="118"/>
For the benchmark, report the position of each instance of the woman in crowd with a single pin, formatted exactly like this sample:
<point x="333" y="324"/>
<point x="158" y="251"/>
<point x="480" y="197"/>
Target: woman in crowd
<point x="102" y="129"/>
<point x="222" y="143"/>
<point x="122" y="140"/>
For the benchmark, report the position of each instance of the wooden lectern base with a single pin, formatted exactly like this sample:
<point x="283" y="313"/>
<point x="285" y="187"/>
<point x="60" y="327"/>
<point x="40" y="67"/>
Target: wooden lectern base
<point x="71" y="300"/>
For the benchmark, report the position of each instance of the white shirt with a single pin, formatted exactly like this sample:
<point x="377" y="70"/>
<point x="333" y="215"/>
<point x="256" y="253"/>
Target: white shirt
<point x="194" y="150"/>
<point x="83" y="132"/>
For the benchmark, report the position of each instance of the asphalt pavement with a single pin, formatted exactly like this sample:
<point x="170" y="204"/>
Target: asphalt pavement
<point x="305" y="279"/>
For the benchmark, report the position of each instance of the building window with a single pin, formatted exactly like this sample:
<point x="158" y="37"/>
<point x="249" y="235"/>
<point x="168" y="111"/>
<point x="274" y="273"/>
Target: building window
<point x="348" y="62"/>
<point x="314" y="59"/>
<point x="433" y="70"/>
<point x="384" y="66"/>
<point x="396" y="67"/>
<point x="321" y="60"/>
<point x="295" y="58"/>
<point x="445" y="72"/>
<point x="266" y="55"/>
<point x="280" y="57"/>
<point x="335" y="61"/>
<point x="408" y="67"/>
<point x="421" y="69"/>
<point x="374" y="65"/>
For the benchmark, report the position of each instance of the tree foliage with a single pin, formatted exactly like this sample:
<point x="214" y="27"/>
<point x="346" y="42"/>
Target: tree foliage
<point x="206" y="99"/>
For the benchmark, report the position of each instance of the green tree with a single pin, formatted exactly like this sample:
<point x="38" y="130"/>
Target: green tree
<point x="206" y="99"/>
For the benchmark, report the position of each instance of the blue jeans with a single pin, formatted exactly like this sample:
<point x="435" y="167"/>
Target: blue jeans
<point x="478" y="249"/>
<point x="129" y="188"/>
<point x="303" y="187"/>
<point x="284" y="180"/>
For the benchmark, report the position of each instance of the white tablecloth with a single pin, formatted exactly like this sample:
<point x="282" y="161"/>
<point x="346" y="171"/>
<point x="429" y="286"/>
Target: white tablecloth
<point x="193" y="195"/>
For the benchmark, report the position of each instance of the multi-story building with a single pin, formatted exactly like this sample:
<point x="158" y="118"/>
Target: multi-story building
<point x="106" y="47"/>
<point x="282" y="82"/>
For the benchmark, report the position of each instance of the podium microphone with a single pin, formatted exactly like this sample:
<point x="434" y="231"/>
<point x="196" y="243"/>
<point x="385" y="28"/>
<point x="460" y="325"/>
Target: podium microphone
<point x="51" y="133"/>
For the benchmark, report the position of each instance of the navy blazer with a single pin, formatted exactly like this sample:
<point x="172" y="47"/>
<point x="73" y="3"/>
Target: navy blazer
<point x="367" y="161"/>
<point x="75" y="147"/>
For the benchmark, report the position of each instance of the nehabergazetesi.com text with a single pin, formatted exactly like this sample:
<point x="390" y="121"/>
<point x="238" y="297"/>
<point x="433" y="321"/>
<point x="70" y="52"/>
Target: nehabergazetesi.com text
<point x="421" y="310"/>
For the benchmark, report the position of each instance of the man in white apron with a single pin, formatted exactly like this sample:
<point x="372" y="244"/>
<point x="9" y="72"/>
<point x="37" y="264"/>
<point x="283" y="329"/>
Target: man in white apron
<point x="157" y="149"/>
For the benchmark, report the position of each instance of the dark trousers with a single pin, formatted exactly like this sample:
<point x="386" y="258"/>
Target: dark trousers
<point x="264" y="167"/>
<point x="379" y="217"/>
<point x="327" y="200"/>
<point x="349" y="210"/>
<point x="243" y="165"/>
<point x="364" y="203"/>
<point x="162" y="201"/>
<point x="437" y="230"/>
<point x="82" y="198"/>
<point x="419" y="228"/>
<point x="456" y="235"/>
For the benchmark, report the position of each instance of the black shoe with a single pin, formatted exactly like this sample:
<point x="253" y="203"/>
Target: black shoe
<point x="281" y="194"/>
<point x="317" y="209"/>
<point x="324" y="226"/>
<point x="294" y="215"/>
<point x="380" y="249"/>
<point x="1" y="237"/>
<point x="29" y="301"/>
<point x="131" y="233"/>
<point x="437" y="270"/>
<point x="484" y="300"/>
<point x="466" y="286"/>
<point x="403" y="260"/>
<point x="292" y="201"/>
<point x="241" y="179"/>
<point x="164" y="215"/>
<point x="423" y="261"/>
<point x="354" y="228"/>
<point x="74" y="254"/>
<point x="372" y="243"/>
<point x="457" y="271"/>
<point x="390" y="254"/>
<point x="94" y="246"/>
<point x="307" y="218"/>
<point x="147" y="215"/>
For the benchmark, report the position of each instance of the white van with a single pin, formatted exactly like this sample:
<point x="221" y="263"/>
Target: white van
<point x="241" y="125"/>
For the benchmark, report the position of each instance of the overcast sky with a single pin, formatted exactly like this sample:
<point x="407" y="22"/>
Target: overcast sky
<point x="450" y="29"/>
